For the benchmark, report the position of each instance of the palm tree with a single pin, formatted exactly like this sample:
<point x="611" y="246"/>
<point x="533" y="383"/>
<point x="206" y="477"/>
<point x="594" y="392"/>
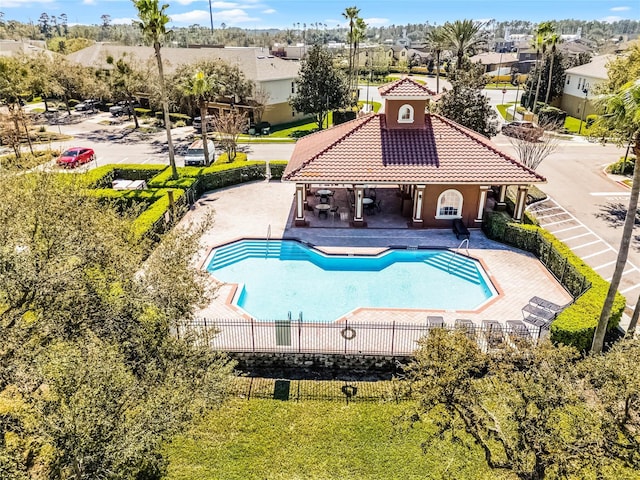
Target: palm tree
<point x="622" y="118"/>
<point x="540" y="42"/>
<point x="351" y="14"/>
<point x="202" y="89"/>
<point x="554" y="39"/>
<point x="463" y="35"/>
<point x="437" y="41"/>
<point x="358" y="36"/>
<point x="153" y="21"/>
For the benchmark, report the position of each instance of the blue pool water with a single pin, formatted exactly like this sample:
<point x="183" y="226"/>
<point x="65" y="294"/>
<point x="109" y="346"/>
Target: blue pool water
<point x="278" y="277"/>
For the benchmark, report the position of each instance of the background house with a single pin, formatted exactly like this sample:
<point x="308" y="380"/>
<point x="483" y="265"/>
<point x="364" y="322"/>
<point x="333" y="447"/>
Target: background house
<point x="579" y="85"/>
<point x="268" y="72"/>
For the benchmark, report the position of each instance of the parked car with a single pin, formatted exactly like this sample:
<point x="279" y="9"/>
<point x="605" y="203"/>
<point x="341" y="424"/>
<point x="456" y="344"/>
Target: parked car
<point x="122" y="108"/>
<point x="75" y="156"/>
<point x="195" y="154"/>
<point x="89" y="104"/>
<point x="197" y="123"/>
<point x="522" y="129"/>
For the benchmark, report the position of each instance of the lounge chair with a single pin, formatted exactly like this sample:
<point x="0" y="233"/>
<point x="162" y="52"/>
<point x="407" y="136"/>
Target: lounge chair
<point x="435" y="321"/>
<point x="467" y="326"/>
<point x="493" y="332"/>
<point x="518" y="329"/>
<point x="460" y="229"/>
<point x="537" y="316"/>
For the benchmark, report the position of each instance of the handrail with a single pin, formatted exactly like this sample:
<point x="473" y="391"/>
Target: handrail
<point x="268" y="238"/>
<point x="455" y="252"/>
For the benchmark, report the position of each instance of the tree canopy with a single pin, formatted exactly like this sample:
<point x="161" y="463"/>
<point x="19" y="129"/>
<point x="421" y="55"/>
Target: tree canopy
<point x="91" y="379"/>
<point x="320" y="86"/>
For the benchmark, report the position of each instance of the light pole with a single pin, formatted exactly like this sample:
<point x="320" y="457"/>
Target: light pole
<point x="515" y="106"/>
<point x="585" y="90"/>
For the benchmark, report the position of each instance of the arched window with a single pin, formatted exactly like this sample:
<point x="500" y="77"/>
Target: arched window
<point x="449" y="204"/>
<point x="405" y="114"/>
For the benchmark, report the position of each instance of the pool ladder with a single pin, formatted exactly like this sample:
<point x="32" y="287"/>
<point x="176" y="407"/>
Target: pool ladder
<point x="455" y="252"/>
<point x="266" y="254"/>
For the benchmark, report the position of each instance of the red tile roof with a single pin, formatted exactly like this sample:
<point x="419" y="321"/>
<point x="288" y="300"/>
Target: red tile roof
<point x="364" y="151"/>
<point x="405" y="87"/>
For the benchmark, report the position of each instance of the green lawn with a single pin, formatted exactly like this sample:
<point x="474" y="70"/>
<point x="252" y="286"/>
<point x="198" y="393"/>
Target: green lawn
<point x="274" y="439"/>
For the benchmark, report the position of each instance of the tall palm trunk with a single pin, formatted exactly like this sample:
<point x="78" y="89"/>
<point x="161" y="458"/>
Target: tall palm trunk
<point x="203" y="129"/>
<point x="437" y="71"/>
<point x="552" y="58"/>
<point x="627" y="231"/>
<point x="535" y="99"/>
<point x="165" y="111"/>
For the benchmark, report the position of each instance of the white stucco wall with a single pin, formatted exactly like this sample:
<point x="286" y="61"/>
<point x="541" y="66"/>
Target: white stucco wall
<point x="279" y="90"/>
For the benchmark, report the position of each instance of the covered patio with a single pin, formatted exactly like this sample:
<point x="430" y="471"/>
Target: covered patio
<point x="426" y="170"/>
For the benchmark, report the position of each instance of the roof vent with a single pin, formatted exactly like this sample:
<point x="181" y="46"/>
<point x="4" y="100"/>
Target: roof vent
<point x="260" y="56"/>
<point x="269" y="56"/>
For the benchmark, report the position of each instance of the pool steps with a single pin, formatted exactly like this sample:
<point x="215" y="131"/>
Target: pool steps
<point x="235" y="252"/>
<point x="457" y="265"/>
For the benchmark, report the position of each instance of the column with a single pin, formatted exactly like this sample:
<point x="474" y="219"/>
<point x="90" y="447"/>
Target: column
<point x="482" y="200"/>
<point x="358" y="218"/>
<point x="300" y="203"/>
<point x="418" y="196"/>
<point x="521" y="202"/>
<point x="501" y="204"/>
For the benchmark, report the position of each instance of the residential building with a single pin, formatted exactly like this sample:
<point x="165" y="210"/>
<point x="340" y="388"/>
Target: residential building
<point x="579" y="86"/>
<point x="268" y="72"/>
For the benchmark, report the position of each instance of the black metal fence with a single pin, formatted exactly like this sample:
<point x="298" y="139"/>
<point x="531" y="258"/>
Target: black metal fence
<point x="347" y="338"/>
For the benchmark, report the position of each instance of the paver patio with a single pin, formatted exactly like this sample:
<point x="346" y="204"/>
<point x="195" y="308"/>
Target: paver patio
<point x="251" y="210"/>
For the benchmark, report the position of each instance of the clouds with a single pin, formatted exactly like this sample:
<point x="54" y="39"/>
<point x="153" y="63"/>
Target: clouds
<point x="232" y="16"/>
<point x="620" y="9"/>
<point x="22" y="3"/>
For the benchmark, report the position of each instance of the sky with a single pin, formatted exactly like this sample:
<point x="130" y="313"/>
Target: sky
<point x="258" y="14"/>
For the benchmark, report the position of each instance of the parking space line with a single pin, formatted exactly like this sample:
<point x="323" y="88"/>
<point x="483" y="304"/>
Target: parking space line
<point x="543" y="209"/>
<point x="610" y="194"/>
<point x="598" y="253"/>
<point x="631" y="270"/>
<point x="604" y="265"/>
<point x="565" y="229"/>
<point x="576" y="236"/>
<point x="586" y="244"/>
<point x="550" y="215"/>
<point x="556" y="223"/>
<point x="633" y="287"/>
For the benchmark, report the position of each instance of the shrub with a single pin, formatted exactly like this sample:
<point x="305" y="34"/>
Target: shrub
<point x="143" y="112"/>
<point x="551" y="117"/>
<point x="591" y="119"/>
<point x="133" y="171"/>
<point x="622" y="167"/>
<point x="576" y="324"/>
<point x="277" y="168"/>
<point x="224" y="158"/>
<point x="180" y="123"/>
<point x="100" y="177"/>
<point x="341" y="117"/>
<point x="73" y="102"/>
<point x="148" y="222"/>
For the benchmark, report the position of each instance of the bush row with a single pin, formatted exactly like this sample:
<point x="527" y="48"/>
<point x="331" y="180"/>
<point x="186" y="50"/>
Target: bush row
<point x="576" y="324"/>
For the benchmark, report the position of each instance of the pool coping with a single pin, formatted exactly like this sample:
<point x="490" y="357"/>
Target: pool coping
<point x="349" y="251"/>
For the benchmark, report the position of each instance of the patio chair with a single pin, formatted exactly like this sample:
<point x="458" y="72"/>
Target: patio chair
<point x="493" y="332"/>
<point x="467" y="326"/>
<point x="518" y="329"/>
<point x="335" y="211"/>
<point x="435" y="321"/>
<point x="379" y="206"/>
<point x="546" y="305"/>
<point x="537" y="316"/>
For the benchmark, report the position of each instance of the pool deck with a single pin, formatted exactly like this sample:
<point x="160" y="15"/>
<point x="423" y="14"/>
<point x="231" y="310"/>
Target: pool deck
<point x="253" y="209"/>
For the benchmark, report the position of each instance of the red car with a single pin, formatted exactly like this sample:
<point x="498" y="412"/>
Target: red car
<point x="75" y="156"/>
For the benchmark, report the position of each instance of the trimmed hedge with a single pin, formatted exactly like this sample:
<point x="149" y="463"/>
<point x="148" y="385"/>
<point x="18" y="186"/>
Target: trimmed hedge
<point x="224" y="158"/>
<point x="576" y="324"/>
<point x="277" y="168"/>
<point x="133" y="171"/>
<point x="149" y="222"/>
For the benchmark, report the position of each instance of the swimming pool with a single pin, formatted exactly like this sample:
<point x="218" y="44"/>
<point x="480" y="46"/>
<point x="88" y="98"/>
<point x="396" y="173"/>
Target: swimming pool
<point x="277" y="277"/>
